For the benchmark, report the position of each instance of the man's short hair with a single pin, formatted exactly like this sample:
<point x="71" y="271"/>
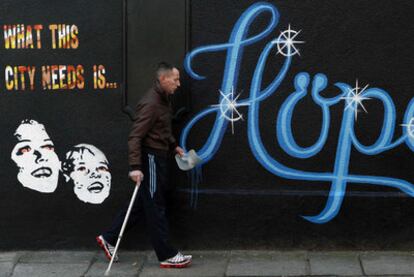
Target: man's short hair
<point x="163" y="68"/>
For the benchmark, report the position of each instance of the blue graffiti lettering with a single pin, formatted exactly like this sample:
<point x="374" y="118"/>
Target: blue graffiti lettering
<point x="340" y="176"/>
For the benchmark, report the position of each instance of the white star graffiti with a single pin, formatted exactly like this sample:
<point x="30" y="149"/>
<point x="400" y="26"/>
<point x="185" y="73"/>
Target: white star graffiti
<point x="286" y="42"/>
<point x="410" y="127"/>
<point x="354" y="99"/>
<point x="229" y="104"/>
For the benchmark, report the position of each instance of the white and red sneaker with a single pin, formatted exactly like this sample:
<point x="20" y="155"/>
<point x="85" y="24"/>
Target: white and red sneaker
<point x="107" y="248"/>
<point x="178" y="261"/>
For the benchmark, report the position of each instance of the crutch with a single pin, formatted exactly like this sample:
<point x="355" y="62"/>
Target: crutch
<point x="123" y="228"/>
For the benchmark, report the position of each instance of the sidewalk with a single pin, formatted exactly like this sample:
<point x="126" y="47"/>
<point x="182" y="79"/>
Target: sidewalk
<point x="210" y="263"/>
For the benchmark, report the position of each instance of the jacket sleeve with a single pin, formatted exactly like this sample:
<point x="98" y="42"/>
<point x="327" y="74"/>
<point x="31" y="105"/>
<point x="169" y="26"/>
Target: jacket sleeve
<point x="145" y="119"/>
<point x="173" y="142"/>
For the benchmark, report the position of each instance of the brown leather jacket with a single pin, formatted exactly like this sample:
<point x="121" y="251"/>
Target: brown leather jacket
<point x="151" y="130"/>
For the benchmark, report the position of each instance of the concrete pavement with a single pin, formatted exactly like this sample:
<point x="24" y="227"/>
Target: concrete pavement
<point x="210" y="263"/>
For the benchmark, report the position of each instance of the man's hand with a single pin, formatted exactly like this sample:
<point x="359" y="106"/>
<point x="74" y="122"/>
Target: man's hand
<point x="179" y="151"/>
<point x="137" y="176"/>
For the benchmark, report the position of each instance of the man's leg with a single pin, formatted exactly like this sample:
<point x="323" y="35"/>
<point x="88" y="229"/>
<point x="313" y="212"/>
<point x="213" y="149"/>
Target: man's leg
<point x="154" y="206"/>
<point x="111" y="235"/>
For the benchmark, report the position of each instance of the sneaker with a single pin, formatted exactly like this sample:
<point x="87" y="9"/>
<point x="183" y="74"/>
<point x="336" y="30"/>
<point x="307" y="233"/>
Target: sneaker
<point x="178" y="261"/>
<point x="107" y="248"/>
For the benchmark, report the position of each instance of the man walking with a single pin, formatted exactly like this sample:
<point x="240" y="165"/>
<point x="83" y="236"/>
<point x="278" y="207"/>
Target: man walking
<point x="149" y="144"/>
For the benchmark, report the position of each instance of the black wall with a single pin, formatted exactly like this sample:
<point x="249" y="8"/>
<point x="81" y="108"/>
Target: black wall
<point x="30" y="219"/>
<point x="156" y="31"/>
<point x="239" y="204"/>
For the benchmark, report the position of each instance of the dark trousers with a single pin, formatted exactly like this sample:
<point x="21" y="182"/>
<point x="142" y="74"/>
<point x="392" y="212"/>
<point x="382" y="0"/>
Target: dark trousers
<point x="150" y="202"/>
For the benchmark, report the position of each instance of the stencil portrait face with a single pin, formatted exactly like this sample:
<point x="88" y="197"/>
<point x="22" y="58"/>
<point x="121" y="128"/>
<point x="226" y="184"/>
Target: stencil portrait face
<point x="35" y="156"/>
<point x="88" y="168"/>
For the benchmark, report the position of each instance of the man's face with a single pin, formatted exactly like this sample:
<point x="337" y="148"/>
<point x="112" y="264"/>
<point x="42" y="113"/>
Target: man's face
<point x="35" y="156"/>
<point x="91" y="176"/>
<point x="170" y="81"/>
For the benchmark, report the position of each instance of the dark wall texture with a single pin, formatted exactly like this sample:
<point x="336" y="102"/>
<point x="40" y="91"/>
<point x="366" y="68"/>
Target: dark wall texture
<point x="50" y="214"/>
<point x="157" y="31"/>
<point x="329" y="178"/>
<point x="318" y="160"/>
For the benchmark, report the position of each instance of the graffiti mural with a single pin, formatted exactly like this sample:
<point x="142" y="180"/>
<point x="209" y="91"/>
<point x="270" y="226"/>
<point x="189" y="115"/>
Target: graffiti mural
<point x="34" y="155"/>
<point x="62" y="74"/>
<point x="352" y="97"/>
<point x="85" y="166"/>
<point x="88" y="169"/>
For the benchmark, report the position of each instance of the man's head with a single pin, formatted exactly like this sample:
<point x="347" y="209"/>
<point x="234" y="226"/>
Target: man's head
<point x="168" y="77"/>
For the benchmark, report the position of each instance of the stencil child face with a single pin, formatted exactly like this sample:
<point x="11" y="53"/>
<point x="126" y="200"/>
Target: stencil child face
<point x="35" y="156"/>
<point x="90" y="173"/>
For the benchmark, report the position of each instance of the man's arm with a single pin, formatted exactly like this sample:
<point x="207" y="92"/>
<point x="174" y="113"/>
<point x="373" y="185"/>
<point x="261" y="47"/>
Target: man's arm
<point x="174" y="145"/>
<point x="145" y="119"/>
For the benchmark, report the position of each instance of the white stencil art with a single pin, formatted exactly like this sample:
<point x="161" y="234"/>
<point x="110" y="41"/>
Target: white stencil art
<point x="34" y="154"/>
<point x="87" y="167"/>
